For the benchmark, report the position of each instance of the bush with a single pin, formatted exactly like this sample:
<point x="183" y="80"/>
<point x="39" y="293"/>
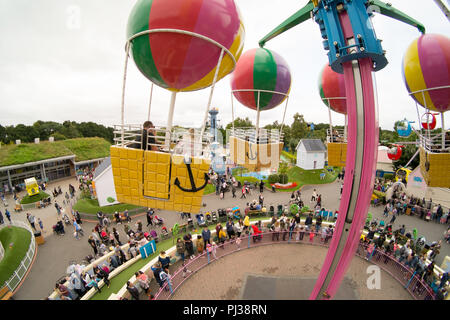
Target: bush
<point x="273" y="178"/>
<point x="388" y="176"/>
<point x="305" y="209"/>
<point x="283" y="178"/>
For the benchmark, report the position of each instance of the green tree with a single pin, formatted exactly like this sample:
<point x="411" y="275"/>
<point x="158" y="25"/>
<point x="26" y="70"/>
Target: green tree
<point x="69" y="130"/>
<point x="240" y="123"/>
<point x="299" y="128"/>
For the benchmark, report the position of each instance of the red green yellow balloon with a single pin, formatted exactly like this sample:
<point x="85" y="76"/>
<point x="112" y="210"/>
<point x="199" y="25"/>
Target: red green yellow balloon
<point x="182" y="62"/>
<point x="261" y="69"/>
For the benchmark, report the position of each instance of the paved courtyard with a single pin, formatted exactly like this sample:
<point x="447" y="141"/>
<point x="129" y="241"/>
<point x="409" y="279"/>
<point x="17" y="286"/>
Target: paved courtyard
<point x="54" y="256"/>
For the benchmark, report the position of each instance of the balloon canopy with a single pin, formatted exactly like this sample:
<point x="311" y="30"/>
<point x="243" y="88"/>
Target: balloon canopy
<point x="332" y="87"/>
<point x="261" y="69"/>
<point x="183" y="62"/>
<point x="426" y="65"/>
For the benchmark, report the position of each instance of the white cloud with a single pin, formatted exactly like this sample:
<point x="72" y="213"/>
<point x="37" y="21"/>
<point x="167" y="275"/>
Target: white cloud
<point x="50" y="71"/>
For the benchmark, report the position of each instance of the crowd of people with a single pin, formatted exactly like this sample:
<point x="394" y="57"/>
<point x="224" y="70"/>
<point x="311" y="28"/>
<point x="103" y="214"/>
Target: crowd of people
<point x="414" y="255"/>
<point x="400" y="204"/>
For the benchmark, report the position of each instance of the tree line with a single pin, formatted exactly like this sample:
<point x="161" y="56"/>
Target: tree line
<point x="293" y="133"/>
<point x="60" y="131"/>
<point x="300" y="129"/>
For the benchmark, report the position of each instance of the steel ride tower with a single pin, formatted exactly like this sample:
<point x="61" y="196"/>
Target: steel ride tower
<point x="354" y="50"/>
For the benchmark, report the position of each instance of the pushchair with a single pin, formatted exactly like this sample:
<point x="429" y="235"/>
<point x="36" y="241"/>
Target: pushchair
<point x="280" y="210"/>
<point x="214" y="217"/>
<point x="190" y="224"/>
<point x="271" y="210"/>
<point x="88" y="259"/>
<point x="158" y="221"/>
<point x="164" y="233"/>
<point x="200" y="220"/>
<point x="58" y="228"/>
<point x="230" y="213"/>
<point x="222" y="215"/>
<point x="208" y="218"/>
<point x="66" y="219"/>
<point x="154" y="235"/>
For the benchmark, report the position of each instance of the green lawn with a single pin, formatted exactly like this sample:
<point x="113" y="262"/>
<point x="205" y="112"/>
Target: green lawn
<point x="91" y="206"/>
<point x="37" y="197"/>
<point x="20" y="238"/>
<point x="292" y="157"/>
<point x="209" y="189"/>
<point x="82" y="148"/>
<point x="303" y="177"/>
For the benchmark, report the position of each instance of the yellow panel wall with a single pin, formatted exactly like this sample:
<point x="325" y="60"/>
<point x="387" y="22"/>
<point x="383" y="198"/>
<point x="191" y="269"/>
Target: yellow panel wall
<point x="142" y="178"/>
<point x="255" y="157"/>
<point x="337" y="153"/>
<point x="438" y="174"/>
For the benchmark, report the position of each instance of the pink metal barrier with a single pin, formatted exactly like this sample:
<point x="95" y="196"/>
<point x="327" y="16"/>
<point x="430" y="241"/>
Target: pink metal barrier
<point x="416" y="287"/>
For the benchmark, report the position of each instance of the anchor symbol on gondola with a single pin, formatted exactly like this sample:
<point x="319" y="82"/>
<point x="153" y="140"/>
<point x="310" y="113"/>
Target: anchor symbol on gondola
<point x="194" y="188"/>
<point x="251" y="157"/>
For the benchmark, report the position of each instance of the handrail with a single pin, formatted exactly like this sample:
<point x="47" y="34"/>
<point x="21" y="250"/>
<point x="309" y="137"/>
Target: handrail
<point x="180" y="138"/>
<point x="13" y="282"/>
<point x="415" y="286"/>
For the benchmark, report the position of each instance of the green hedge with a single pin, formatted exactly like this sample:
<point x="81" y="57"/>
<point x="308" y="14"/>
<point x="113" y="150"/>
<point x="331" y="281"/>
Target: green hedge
<point x="273" y="178"/>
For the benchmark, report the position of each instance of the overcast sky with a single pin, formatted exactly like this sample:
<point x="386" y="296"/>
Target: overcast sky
<point x="63" y="60"/>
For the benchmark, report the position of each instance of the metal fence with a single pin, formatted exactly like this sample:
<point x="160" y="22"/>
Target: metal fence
<point x="264" y="135"/>
<point x="177" y="140"/>
<point x="435" y="143"/>
<point x="337" y="135"/>
<point x="411" y="281"/>
<point x="13" y="282"/>
<point x="416" y="287"/>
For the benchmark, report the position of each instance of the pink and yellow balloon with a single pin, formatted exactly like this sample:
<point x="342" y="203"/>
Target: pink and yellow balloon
<point x="426" y="65"/>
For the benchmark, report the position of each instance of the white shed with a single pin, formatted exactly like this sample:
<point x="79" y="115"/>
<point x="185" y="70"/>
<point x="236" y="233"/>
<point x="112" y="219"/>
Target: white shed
<point x="103" y="183"/>
<point x="311" y="154"/>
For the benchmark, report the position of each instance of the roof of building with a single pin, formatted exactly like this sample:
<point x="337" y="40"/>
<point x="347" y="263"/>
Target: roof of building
<point x="79" y="149"/>
<point x="382" y="155"/>
<point x="102" y="167"/>
<point x="312" y="145"/>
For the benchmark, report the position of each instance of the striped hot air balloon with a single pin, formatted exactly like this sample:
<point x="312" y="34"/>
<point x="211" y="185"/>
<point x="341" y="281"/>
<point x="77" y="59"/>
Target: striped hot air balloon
<point x="332" y="89"/>
<point x="426" y="65"/>
<point x="261" y="69"/>
<point x="183" y="62"/>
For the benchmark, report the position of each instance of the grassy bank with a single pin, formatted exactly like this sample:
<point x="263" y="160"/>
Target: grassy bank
<point x="20" y="239"/>
<point x="82" y="148"/>
<point x="91" y="206"/>
<point x="35" y="198"/>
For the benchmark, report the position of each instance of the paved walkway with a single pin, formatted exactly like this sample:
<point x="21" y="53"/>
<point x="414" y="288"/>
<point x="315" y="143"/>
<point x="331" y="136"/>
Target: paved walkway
<point x="55" y="255"/>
